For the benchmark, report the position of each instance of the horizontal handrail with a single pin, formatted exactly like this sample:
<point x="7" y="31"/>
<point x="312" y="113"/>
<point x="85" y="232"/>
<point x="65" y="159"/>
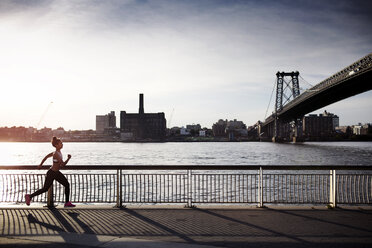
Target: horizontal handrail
<point x="193" y="167"/>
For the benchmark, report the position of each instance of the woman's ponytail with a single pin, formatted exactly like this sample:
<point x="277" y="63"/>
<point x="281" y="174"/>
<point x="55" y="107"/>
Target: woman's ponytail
<point x="55" y="141"/>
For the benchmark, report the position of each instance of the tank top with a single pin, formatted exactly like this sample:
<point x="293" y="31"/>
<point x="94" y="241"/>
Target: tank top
<point x="59" y="154"/>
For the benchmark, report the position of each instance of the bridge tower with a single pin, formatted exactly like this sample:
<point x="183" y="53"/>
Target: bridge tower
<point x="284" y="90"/>
<point x="287" y="89"/>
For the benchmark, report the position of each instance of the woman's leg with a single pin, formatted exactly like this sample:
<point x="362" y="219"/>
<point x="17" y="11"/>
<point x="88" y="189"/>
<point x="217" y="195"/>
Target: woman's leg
<point x="63" y="180"/>
<point x="48" y="182"/>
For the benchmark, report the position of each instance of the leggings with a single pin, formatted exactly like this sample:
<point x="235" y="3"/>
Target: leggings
<point x="50" y="176"/>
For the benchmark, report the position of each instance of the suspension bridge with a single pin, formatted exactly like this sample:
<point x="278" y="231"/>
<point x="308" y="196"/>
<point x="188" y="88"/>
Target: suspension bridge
<point x="285" y="124"/>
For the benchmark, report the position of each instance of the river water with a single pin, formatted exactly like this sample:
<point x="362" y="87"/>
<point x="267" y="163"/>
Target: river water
<point x="208" y="153"/>
<point x="161" y="186"/>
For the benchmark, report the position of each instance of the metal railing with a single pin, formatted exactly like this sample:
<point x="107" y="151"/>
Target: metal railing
<point x="191" y="185"/>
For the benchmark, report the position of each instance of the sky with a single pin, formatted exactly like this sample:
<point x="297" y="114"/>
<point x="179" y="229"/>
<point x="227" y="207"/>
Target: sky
<point x="64" y="62"/>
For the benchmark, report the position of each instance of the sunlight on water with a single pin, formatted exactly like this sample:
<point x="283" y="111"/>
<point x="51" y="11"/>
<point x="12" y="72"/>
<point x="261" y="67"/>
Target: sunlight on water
<point x="245" y="153"/>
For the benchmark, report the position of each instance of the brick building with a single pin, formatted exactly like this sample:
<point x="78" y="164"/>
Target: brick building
<point x="141" y="125"/>
<point x="320" y="126"/>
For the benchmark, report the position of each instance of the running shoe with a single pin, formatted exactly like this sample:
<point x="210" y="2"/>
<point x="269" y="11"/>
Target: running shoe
<point x="28" y="200"/>
<point x="69" y="205"/>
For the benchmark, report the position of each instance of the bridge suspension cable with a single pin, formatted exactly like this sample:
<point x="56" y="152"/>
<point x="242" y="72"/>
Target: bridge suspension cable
<point x="272" y="92"/>
<point x="306" y="82"/>
<point x="288" y="92"/>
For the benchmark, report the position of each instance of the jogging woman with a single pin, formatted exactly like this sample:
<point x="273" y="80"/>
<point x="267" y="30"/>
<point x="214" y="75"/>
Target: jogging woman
<point x="54" y="173"/>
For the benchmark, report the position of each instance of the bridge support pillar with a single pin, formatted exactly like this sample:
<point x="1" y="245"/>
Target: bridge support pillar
<point x="296" y="130"/>
<point x="279" y="131"/>
<point x="275" y="138"/>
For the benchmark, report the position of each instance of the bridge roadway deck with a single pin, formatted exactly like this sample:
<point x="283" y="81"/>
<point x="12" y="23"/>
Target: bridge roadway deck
<point x="87" y="226"/>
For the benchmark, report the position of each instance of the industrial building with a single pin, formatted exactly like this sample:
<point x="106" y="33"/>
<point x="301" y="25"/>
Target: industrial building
<point x="104" y="122"/>
<point x="141" y="125"/>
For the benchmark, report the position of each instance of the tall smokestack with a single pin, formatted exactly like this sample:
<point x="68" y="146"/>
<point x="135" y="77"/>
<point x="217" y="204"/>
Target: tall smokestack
<point x="141" y="110"/>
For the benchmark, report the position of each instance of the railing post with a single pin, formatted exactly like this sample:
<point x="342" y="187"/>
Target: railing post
<point x="50" y="200"/>
<point x="119" y="196"/>
<point x="332" y="189"/>
<point x="189" y="189"/>
<point x="260" y="188"/>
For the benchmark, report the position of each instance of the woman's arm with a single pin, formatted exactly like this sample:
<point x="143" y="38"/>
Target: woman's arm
<point x="46" y="157"/>
<point x="63" y="164"/>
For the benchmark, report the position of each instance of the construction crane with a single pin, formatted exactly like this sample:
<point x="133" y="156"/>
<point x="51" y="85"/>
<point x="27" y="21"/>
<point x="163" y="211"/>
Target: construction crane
<point x="170" y="118"/>
<point x="43" y="115"/>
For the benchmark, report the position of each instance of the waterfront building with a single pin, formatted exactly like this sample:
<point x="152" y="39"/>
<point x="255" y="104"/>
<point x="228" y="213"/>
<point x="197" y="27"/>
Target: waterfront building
<point x="219" y="128"/>
<point x="101" y="123"/>
<point x="13" y="133"/>
<point x="344" y="131"/>
<point x="143" y="125"/>
<point x="104" y="122"/>
<point x="202" y="133"/>
<point x="59" y="132"/>
<point x="184" y="131"/>
<point x="192" y="129"/>
<point x="174" y="131"/>
<point x="320" y="126"/>
<point x="357" y="129"/>
<point x="366" y="129"/>
<point x="232" y="129"/>
<point x="236" y="125"/>
<point x="335" y="119"/>
<point x="236" y="129"/>
<point x="195" y="127"/>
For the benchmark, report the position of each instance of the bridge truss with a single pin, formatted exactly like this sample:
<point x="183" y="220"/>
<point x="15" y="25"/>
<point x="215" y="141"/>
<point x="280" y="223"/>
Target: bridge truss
<point x="286" y="90"/>
<point x="290" y="107"/>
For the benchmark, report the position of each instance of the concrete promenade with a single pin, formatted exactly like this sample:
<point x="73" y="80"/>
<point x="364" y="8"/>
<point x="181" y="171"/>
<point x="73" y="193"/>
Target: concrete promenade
<point x="87" y="226"/>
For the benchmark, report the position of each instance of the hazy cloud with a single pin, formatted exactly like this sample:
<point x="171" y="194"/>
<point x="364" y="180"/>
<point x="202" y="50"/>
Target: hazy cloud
<point x="206" y="59"/>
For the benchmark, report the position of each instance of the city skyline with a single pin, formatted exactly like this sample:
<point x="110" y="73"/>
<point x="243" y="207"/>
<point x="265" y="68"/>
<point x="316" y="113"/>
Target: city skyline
<point x="201" y="60"/>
